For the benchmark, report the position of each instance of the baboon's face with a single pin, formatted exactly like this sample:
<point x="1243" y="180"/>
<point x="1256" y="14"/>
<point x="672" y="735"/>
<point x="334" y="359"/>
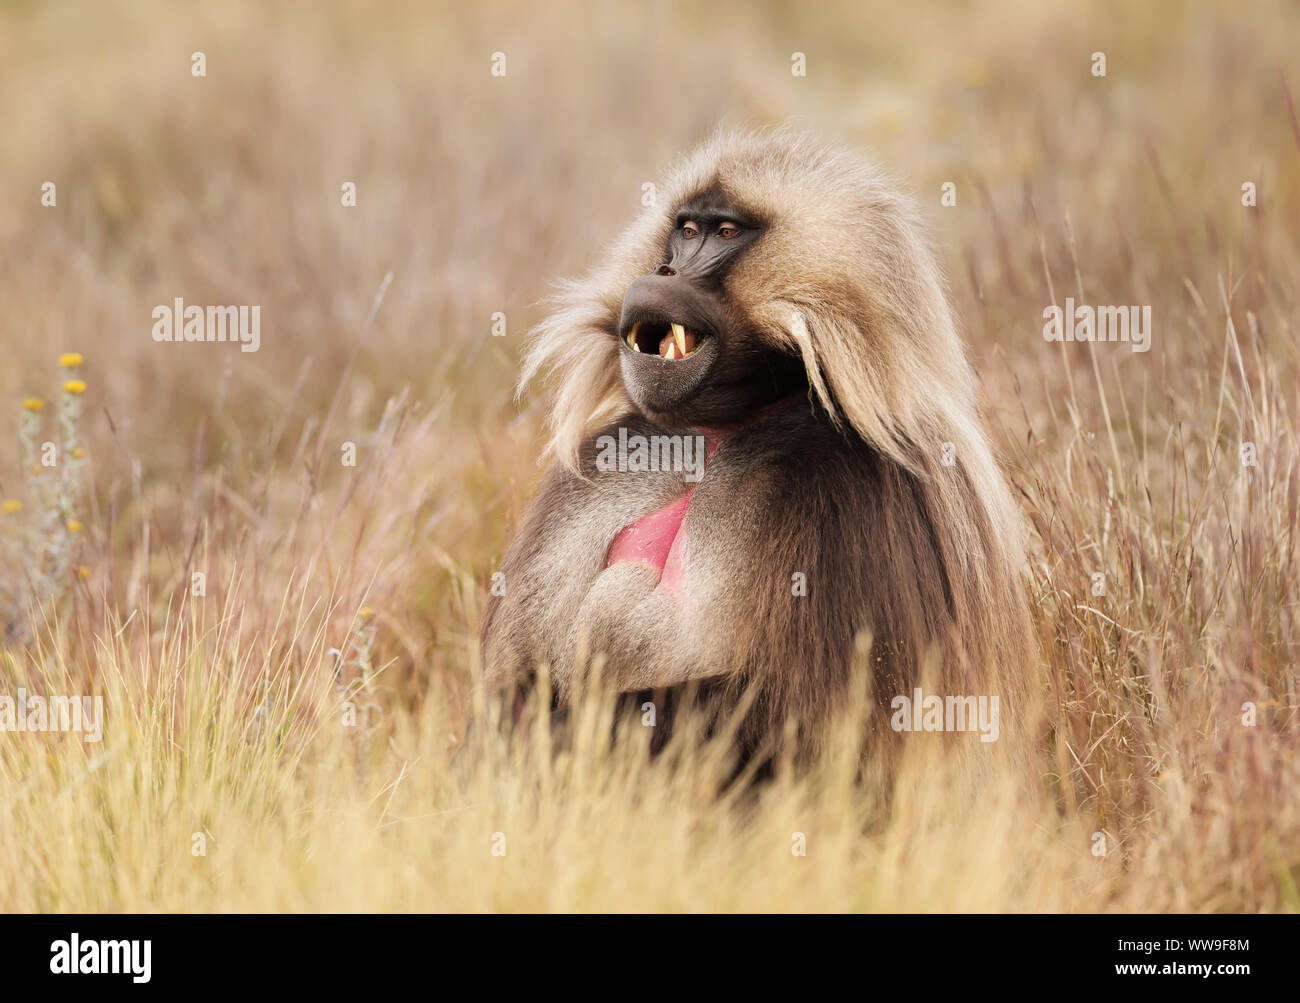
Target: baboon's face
<point x="688" y="353"/>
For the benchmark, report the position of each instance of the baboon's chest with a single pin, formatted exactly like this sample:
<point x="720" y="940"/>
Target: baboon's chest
<point x="658" y="540"/>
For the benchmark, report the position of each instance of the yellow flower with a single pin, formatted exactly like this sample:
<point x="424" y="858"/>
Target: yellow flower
<point x="75" y="386"/>
<point x="34" y="404"/>
<point x="69" y="359"/>
<point x="83" y="571"/>
<point x="74" y="526"/>
<point x="10" y="506"/>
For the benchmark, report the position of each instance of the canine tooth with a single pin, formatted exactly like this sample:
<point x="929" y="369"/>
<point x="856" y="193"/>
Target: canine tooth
<point x="631" y="338"/>
<point x="679" y="335"/>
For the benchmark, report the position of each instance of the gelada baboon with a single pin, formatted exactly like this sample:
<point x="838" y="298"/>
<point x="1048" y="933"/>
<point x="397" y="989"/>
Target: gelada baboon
<point x="766" y="447"/>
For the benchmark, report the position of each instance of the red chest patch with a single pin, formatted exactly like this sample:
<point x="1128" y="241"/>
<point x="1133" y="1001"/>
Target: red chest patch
<point x="658" y="540"/>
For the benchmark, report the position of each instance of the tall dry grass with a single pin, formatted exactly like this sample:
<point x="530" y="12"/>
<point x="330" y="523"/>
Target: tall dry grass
<point x="329" y="585"/>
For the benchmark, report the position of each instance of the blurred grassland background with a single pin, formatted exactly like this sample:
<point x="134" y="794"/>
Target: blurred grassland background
<point x="477" y="193"/>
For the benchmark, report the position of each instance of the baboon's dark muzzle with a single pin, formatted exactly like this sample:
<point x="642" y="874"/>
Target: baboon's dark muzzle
<point x="667" y="303"/>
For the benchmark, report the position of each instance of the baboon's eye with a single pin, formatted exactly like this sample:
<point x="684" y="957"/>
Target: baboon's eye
<point x="728" y="230"/>
<point x="689" y="229"/>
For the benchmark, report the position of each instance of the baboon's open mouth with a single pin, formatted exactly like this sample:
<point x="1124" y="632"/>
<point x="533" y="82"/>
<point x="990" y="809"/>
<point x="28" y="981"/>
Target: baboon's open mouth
<point x="669" y="341"/>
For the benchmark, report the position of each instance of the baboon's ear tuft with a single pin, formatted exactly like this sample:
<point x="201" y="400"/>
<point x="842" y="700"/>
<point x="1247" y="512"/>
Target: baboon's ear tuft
<point x="575" y="348"/>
